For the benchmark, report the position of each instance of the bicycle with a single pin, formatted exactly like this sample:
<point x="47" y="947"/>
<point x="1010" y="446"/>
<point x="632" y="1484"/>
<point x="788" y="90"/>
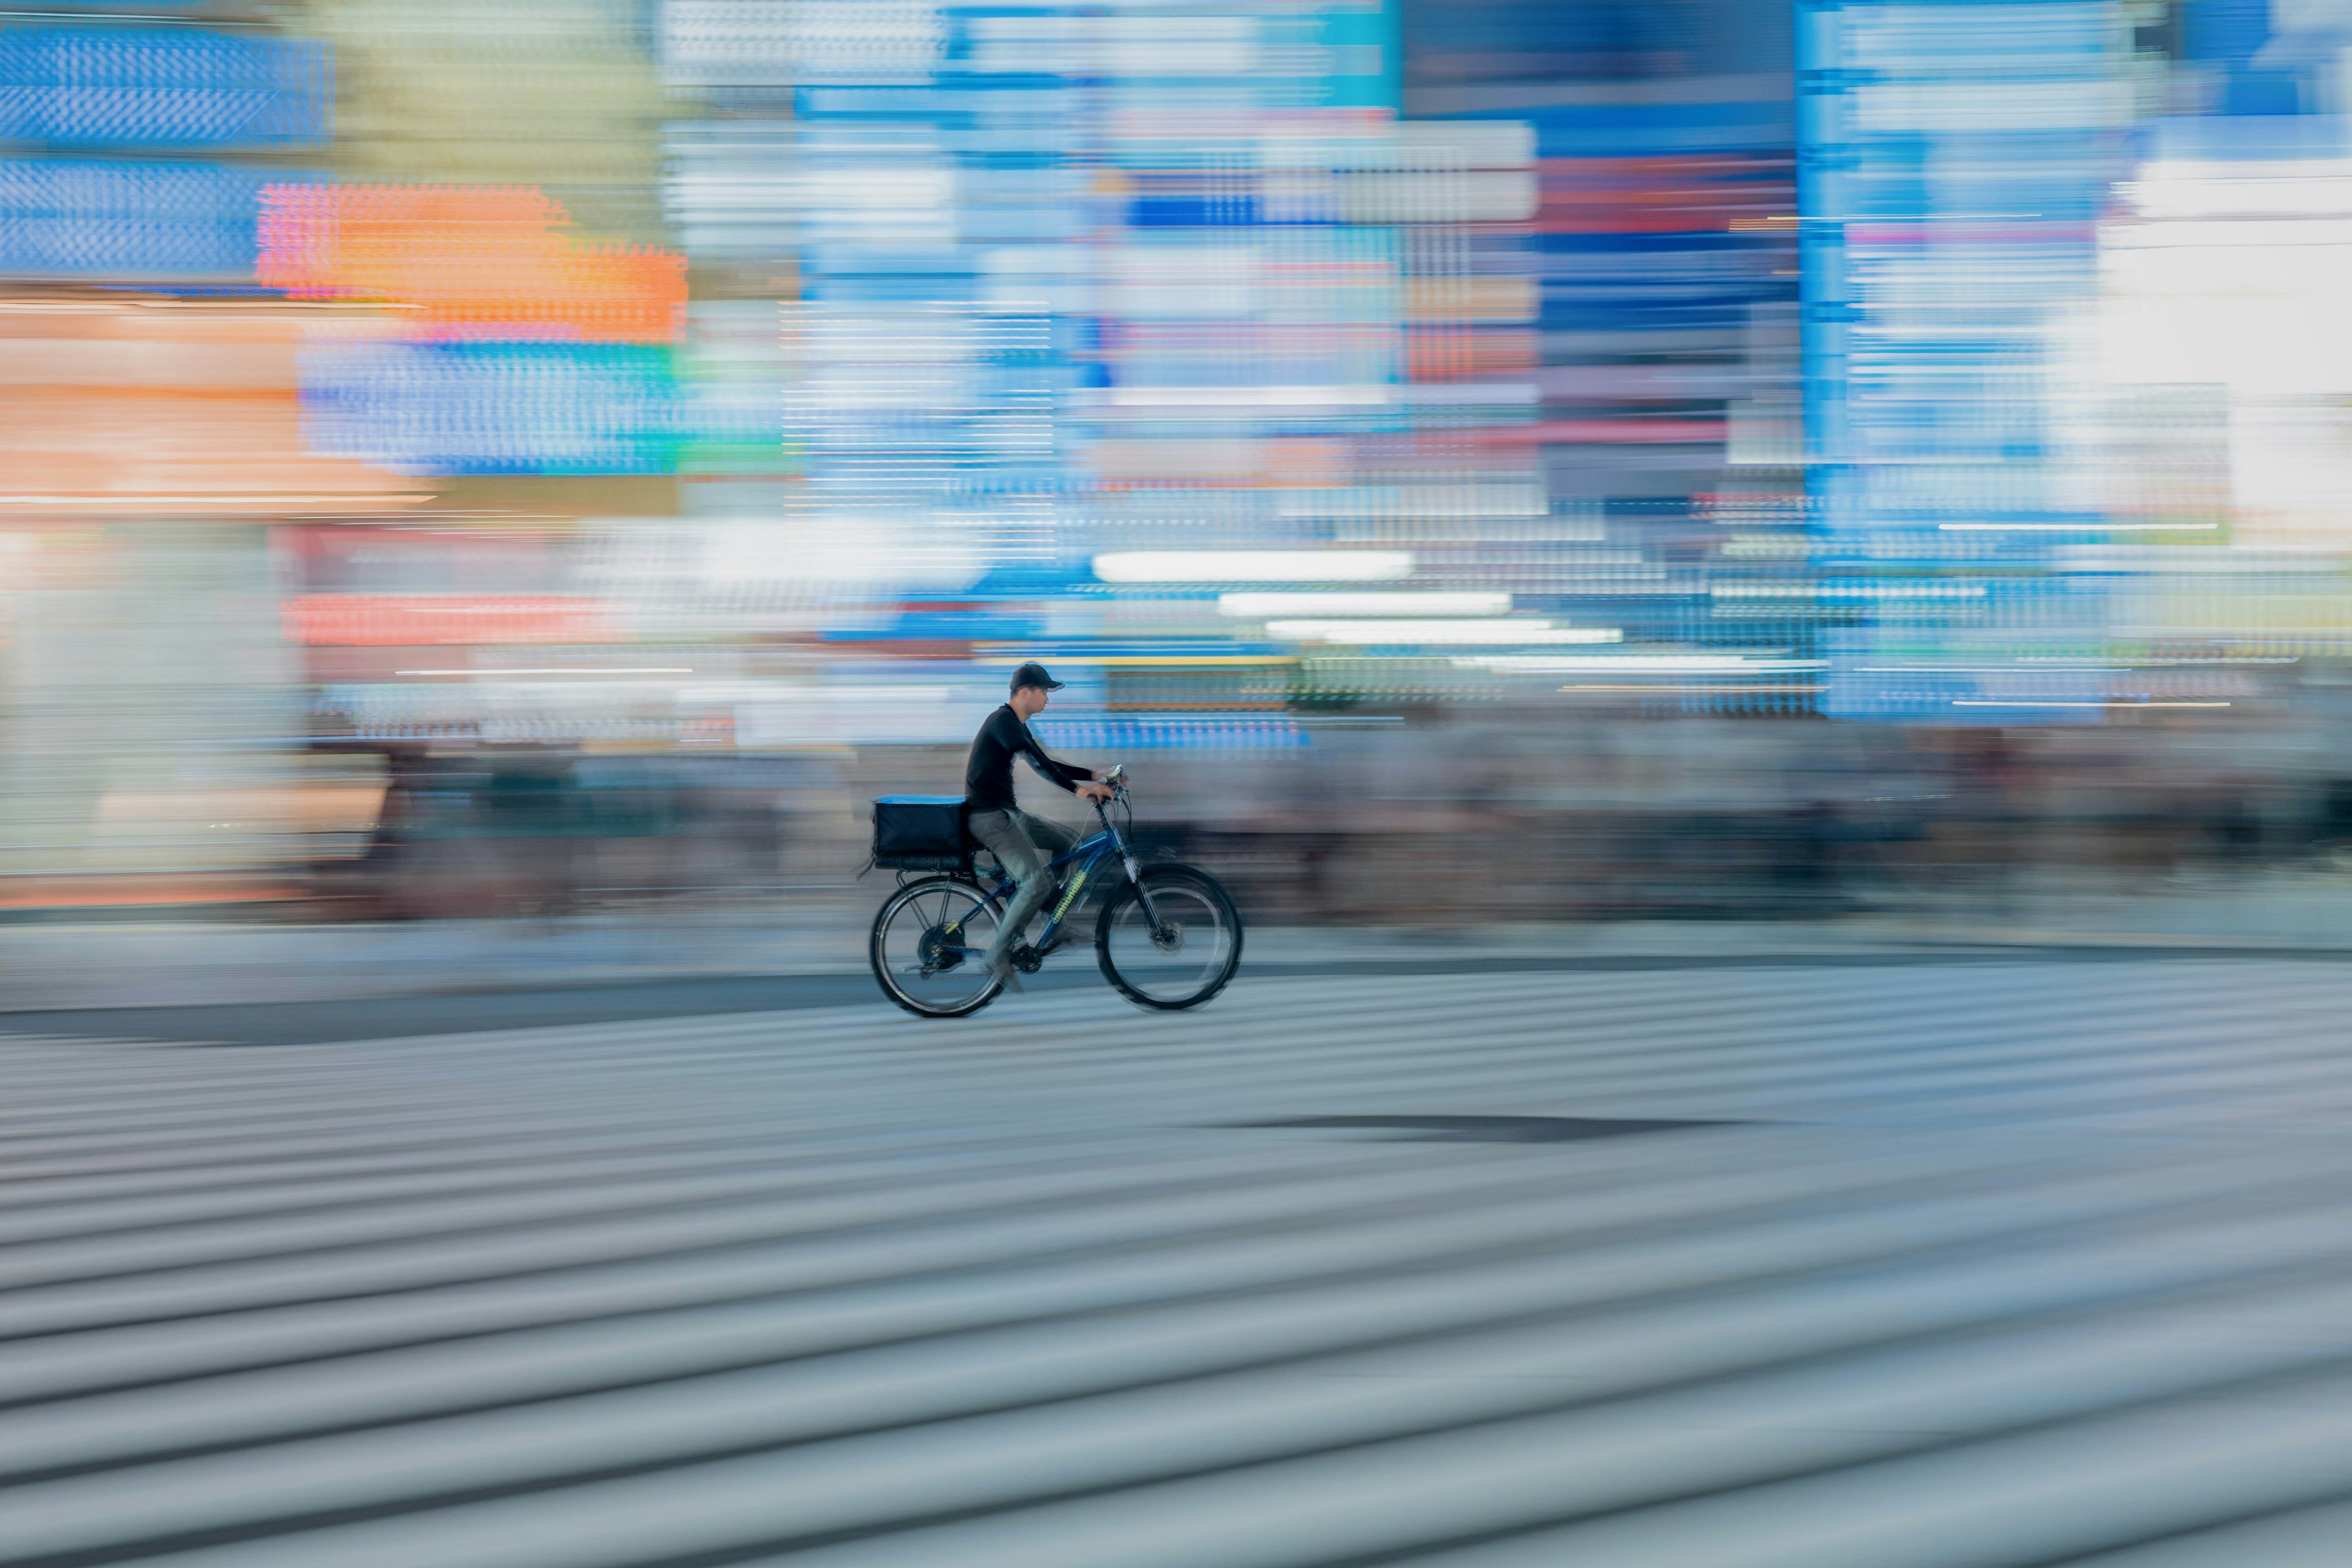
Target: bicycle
<point x="1167" y="937"/>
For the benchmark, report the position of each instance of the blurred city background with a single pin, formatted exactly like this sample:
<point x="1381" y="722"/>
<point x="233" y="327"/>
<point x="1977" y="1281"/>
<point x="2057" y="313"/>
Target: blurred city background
<point x="1754" y="598"/>
<point x="1475" y="460"/>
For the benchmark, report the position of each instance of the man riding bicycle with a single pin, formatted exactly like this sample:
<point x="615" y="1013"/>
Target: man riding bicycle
<point x="1024" y="844"/>
<point x="1166" y="935"/>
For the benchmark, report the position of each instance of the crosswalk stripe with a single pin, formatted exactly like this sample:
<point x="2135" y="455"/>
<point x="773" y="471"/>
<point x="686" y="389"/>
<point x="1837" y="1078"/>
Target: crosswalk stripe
<point x="1051" y="1286"/>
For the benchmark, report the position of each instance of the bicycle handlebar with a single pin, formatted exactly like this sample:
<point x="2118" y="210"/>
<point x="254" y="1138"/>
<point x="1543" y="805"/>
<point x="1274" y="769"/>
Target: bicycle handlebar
<point x="1114" y="779"/>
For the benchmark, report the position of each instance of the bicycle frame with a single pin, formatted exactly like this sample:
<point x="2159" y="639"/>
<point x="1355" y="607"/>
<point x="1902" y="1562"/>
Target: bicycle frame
<point x="1088" y="855"/>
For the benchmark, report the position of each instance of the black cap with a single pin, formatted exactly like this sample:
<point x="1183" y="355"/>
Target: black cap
<point x="1034" y="675"/>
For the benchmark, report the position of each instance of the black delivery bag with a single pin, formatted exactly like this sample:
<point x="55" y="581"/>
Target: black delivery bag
<point x="920" y="832"/>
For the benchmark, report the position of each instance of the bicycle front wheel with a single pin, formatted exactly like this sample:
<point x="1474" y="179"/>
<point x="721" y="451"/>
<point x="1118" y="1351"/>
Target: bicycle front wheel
<point x="1183" y="959"/>
<point x="926" y="949"/>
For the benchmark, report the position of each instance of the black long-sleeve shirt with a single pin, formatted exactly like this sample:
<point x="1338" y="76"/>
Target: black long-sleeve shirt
<point x="988" y="773"/>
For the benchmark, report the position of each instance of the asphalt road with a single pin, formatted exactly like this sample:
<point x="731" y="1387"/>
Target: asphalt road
<point x="475" y="1008"/>
<point x="1896" y="1265"/>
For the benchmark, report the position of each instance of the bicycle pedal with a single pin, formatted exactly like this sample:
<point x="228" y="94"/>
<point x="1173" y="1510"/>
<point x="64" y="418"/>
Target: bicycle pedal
<point x="1026" y="959"/>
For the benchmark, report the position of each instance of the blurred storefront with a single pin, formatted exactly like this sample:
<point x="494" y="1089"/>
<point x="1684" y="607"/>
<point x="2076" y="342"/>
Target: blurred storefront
<point x="470" y="459"/>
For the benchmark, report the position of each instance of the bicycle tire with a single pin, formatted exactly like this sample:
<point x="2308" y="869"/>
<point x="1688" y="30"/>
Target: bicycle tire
<point x="1185" y="884"/>
<point x="955" y="887"/>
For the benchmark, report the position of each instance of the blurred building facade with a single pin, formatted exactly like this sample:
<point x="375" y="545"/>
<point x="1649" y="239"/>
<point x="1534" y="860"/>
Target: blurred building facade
<point x="1527" y="443"/>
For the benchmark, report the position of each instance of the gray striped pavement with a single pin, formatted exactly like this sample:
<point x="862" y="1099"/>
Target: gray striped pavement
<point x="1895" y="1267"/>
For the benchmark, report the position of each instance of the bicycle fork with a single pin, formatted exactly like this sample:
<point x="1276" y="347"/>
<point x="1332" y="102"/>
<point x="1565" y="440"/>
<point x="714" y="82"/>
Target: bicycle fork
<point x="1134" y="873"/>
<point x="1143" y="896"/>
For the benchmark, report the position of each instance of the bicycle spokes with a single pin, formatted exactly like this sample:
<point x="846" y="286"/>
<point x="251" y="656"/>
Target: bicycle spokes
<point x="927" y="945"/>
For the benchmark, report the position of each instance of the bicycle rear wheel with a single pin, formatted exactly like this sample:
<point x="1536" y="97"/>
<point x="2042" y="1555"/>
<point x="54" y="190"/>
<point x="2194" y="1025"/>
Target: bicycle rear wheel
<point x="1188" y="958"/>
<point x="926" y="949"/>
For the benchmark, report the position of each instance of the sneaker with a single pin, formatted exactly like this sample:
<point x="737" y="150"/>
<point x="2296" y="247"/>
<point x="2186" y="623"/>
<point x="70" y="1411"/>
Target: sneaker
<point x="1006" y="973"/>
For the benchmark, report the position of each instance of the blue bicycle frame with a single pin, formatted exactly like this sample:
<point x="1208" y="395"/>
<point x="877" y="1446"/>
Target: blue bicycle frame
<point x="1087" y="855"/>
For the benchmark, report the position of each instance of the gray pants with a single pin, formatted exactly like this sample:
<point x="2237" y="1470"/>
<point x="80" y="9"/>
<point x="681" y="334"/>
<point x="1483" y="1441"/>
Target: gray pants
<point x="1023" y="844"/>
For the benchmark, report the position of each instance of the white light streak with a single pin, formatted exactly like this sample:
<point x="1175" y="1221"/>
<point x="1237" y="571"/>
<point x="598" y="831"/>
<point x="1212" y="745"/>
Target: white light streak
<point x="2300" y="187"/>
<point x="1254" y="566"/>
<point x="1663" y="663"/>
<point x="1363" y="396"/>
<point x="136" y="498"/>
<point x="1358" y="396"/>
<point x="1967" y="702"/>
<point x="1372" y="632"/>
<point x="1261" y="606"/>
<point x="2078" y="527"/>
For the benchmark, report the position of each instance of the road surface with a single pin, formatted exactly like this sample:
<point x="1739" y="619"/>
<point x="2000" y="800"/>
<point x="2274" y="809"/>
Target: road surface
<point x="1903" y="1265"/>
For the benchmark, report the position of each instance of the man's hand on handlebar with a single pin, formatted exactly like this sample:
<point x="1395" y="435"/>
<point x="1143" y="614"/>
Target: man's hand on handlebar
<point x="1105" y="785"/>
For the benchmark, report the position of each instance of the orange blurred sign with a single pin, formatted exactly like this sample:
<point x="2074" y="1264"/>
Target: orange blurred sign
<point x="473" y="260"/>
<point x="418" y="620"/>
<point x="160" y="408"/>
